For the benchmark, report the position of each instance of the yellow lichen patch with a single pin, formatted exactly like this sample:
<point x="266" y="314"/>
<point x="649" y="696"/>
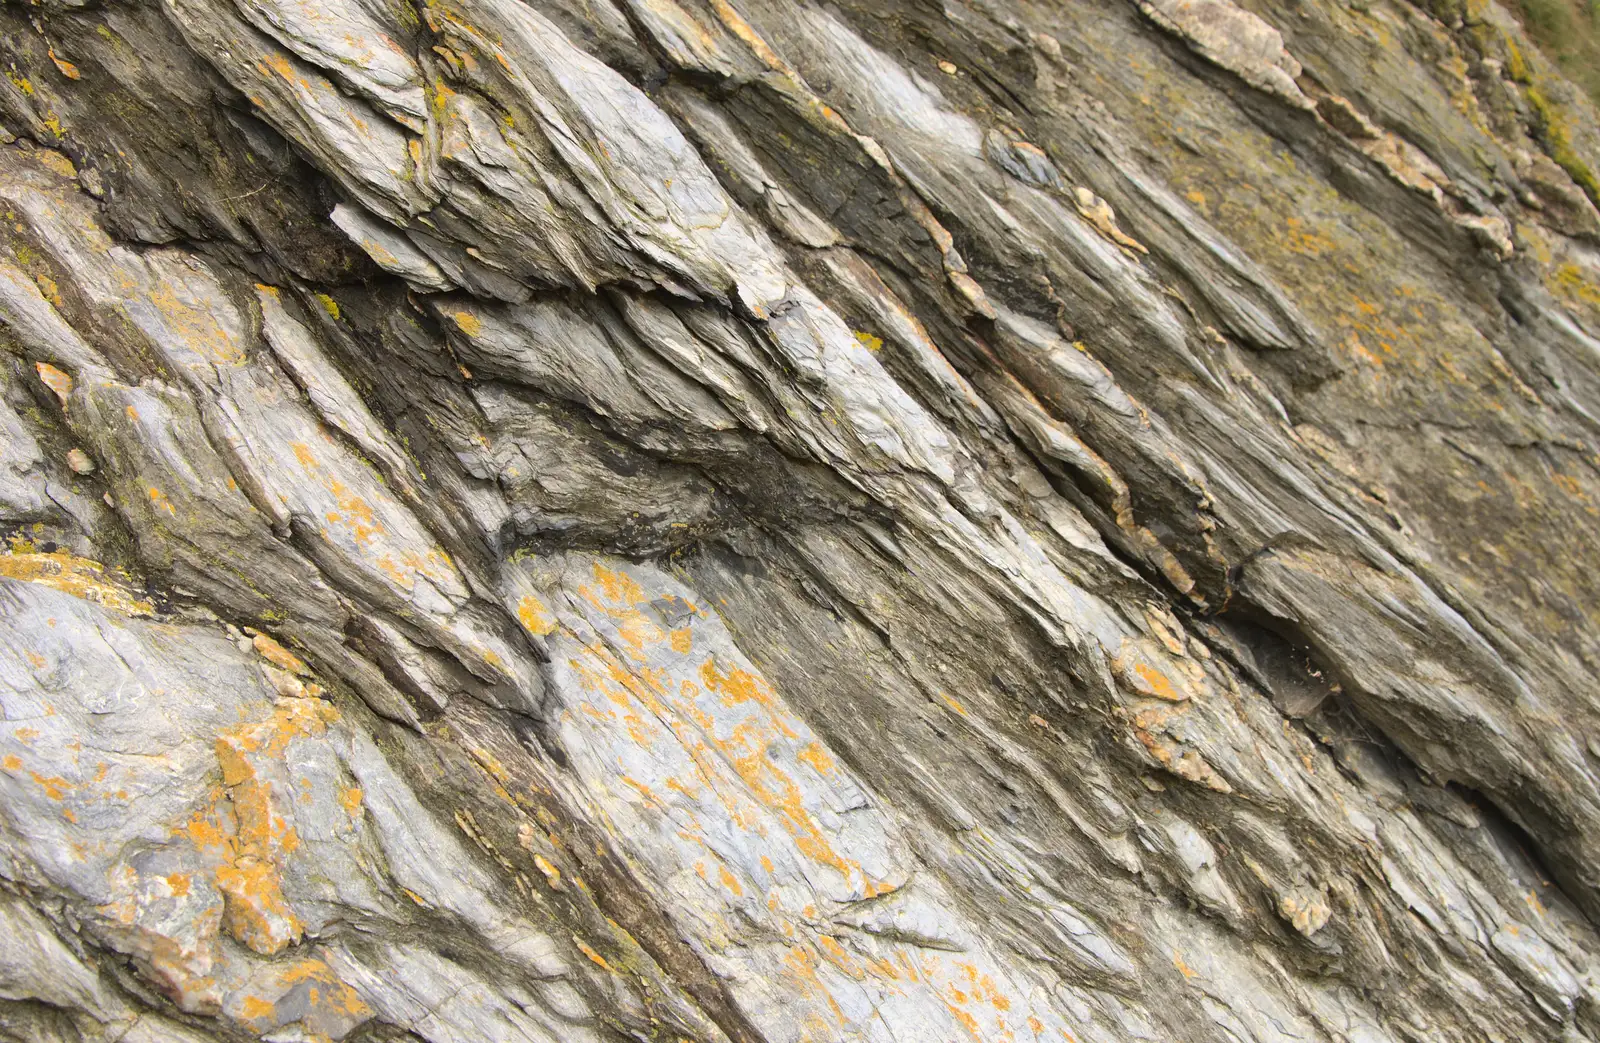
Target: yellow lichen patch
<point x="56" y="163"/>
<point x="1572" y="282"/>
<point x="281" y="65"/>
<point x="329" y="305"/>
<point x="360" y="520"/>
<point x="743" y="746"/>
<point x="868" y="341"/>
<point x="80" y="577"/>
<point x="350" y="799"/>
<point x="205" y="830"/>
<point x="468" y="323"/>
<point x="749" y="761"/>
<point x="291" y="719"/>
<point x="533" y="615"/>
<point x="1306" y="242"/>
<point x="56" y="380"/>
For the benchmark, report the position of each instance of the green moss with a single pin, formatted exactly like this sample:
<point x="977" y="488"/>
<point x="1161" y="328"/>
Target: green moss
<point x="1570" y="281"/>
<point x="1557" y="141"/>
<point x="1569" y="32"/>
<point x="1516" y="64"/>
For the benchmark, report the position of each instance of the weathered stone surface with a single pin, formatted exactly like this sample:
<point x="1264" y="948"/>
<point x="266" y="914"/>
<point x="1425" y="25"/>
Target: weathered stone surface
<point x="744" y="521"/>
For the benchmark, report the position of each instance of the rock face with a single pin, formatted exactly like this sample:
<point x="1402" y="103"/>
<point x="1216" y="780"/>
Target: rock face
<point x="761" y="521"/>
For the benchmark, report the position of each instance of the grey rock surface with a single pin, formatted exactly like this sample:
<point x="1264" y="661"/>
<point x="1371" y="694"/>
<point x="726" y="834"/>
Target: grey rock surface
<point x="752" y="522"/>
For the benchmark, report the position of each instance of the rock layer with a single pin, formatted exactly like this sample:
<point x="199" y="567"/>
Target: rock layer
<point x="770" y="522"/>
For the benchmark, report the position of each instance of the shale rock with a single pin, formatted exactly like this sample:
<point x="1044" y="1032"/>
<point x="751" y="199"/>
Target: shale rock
<point x="757" y="522"/>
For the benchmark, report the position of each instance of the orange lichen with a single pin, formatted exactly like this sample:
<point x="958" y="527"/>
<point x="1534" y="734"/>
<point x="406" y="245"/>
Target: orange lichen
<point x="714" y="742"/>
<point x="535" y="616"/>
<point x="1153" y="682"/>
<point x="552" y="874"/>
<point x="58" y="381"/>
<point x="617" y="587"/>
<point x="195" y="325"/>
<point x="55" y="787"/>
<point x="66" y="68"/>
<point x="594" y="957"/>
<point x="737" y="685"/>
<point x="354" y="513"/>
<point x="274" y="653"/>
<point x="816" y="755"/>
<point x="48" y="288"/>
<point x="255" y="910"/>
<point x="80" y="577"/>
<point x="323" y="1003"/>
<point x="161" y="500"/>
<point x="254" y="1008"/>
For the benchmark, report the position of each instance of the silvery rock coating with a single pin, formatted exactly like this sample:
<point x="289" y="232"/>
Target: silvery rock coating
<point x="783" y="521"/>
